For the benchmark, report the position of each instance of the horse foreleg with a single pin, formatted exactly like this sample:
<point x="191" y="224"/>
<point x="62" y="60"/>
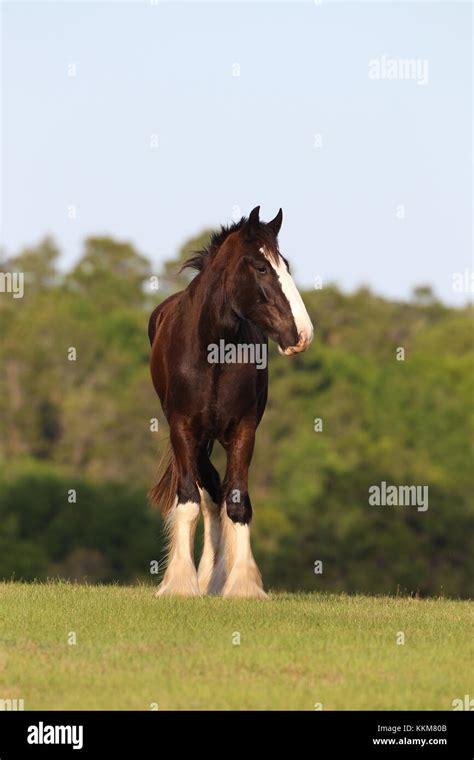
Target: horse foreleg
<point x="243" y="577"/>
<point x="181" y="577"/>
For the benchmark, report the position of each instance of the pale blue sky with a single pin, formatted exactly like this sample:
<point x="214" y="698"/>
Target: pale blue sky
<point x="228" y="141"/>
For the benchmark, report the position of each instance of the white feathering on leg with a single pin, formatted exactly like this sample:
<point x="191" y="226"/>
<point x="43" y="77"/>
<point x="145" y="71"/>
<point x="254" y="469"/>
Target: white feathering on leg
<point x="181" y="577"/>
<point x="243" y="576"/>
<point x="210" y="576"/>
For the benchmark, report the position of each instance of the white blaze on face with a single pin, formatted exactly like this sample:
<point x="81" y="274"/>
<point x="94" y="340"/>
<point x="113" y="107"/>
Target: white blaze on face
<point x="303" y="323"/>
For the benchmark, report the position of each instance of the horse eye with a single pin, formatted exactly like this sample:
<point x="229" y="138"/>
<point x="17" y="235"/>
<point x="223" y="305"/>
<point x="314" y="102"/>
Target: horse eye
<point x="261" y="268"/>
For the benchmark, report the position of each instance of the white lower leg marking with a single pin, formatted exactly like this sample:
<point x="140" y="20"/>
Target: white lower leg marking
<point x="210" y="577"/>
<point x="181" y="577"/>
<point x="243" y="575"/>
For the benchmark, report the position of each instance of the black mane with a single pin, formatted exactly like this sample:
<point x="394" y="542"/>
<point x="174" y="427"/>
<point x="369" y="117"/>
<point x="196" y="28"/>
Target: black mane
<point x="200" y="259"/>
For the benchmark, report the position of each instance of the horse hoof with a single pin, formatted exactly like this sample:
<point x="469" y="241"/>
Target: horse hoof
<point x="248" y="591"/>
<point x="170" y="590"/>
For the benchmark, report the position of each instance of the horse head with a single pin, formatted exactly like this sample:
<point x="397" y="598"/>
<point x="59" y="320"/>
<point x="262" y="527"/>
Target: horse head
<point x="259" y="285"/>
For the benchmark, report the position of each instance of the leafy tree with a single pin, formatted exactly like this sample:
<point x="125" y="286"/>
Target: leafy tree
<point x="171" y="278"/>
<point x="39" y="264"/>
<point x="110" y="272"/>
<point x="86" y="424"/>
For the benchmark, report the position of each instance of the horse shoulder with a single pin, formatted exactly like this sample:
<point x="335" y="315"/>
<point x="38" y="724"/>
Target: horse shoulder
<point x="158" y="314"/>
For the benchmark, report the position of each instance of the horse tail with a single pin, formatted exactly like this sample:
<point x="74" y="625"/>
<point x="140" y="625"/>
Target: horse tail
<point x="163" y="495"/>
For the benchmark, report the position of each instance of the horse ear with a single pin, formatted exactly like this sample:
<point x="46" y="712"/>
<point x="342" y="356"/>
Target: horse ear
<point x="275" y="224"/>
<point x="252" y="224"/>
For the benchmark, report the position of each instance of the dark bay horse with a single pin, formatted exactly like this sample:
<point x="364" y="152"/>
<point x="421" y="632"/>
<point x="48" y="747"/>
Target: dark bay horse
<point x="242" y="295"/>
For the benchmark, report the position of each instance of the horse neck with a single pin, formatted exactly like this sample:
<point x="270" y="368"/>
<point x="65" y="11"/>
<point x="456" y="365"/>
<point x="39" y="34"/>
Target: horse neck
<point x="216" y="318"/>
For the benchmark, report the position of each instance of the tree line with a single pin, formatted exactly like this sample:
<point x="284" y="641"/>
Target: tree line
<point x="82" y="432"/>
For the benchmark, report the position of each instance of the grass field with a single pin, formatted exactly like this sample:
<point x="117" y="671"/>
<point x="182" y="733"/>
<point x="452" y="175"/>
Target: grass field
<point x="296" y="650"/>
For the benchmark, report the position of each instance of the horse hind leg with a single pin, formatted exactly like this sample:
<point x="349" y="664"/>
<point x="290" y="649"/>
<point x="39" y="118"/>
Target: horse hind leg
<point x="211" y="575"/>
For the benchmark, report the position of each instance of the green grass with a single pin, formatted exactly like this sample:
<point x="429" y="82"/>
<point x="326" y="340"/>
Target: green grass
<point x="296" y="650"/>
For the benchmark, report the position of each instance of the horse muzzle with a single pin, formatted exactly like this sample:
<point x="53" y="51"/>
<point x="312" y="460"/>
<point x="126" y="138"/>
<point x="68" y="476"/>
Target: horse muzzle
<point x="303" y="344"/>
